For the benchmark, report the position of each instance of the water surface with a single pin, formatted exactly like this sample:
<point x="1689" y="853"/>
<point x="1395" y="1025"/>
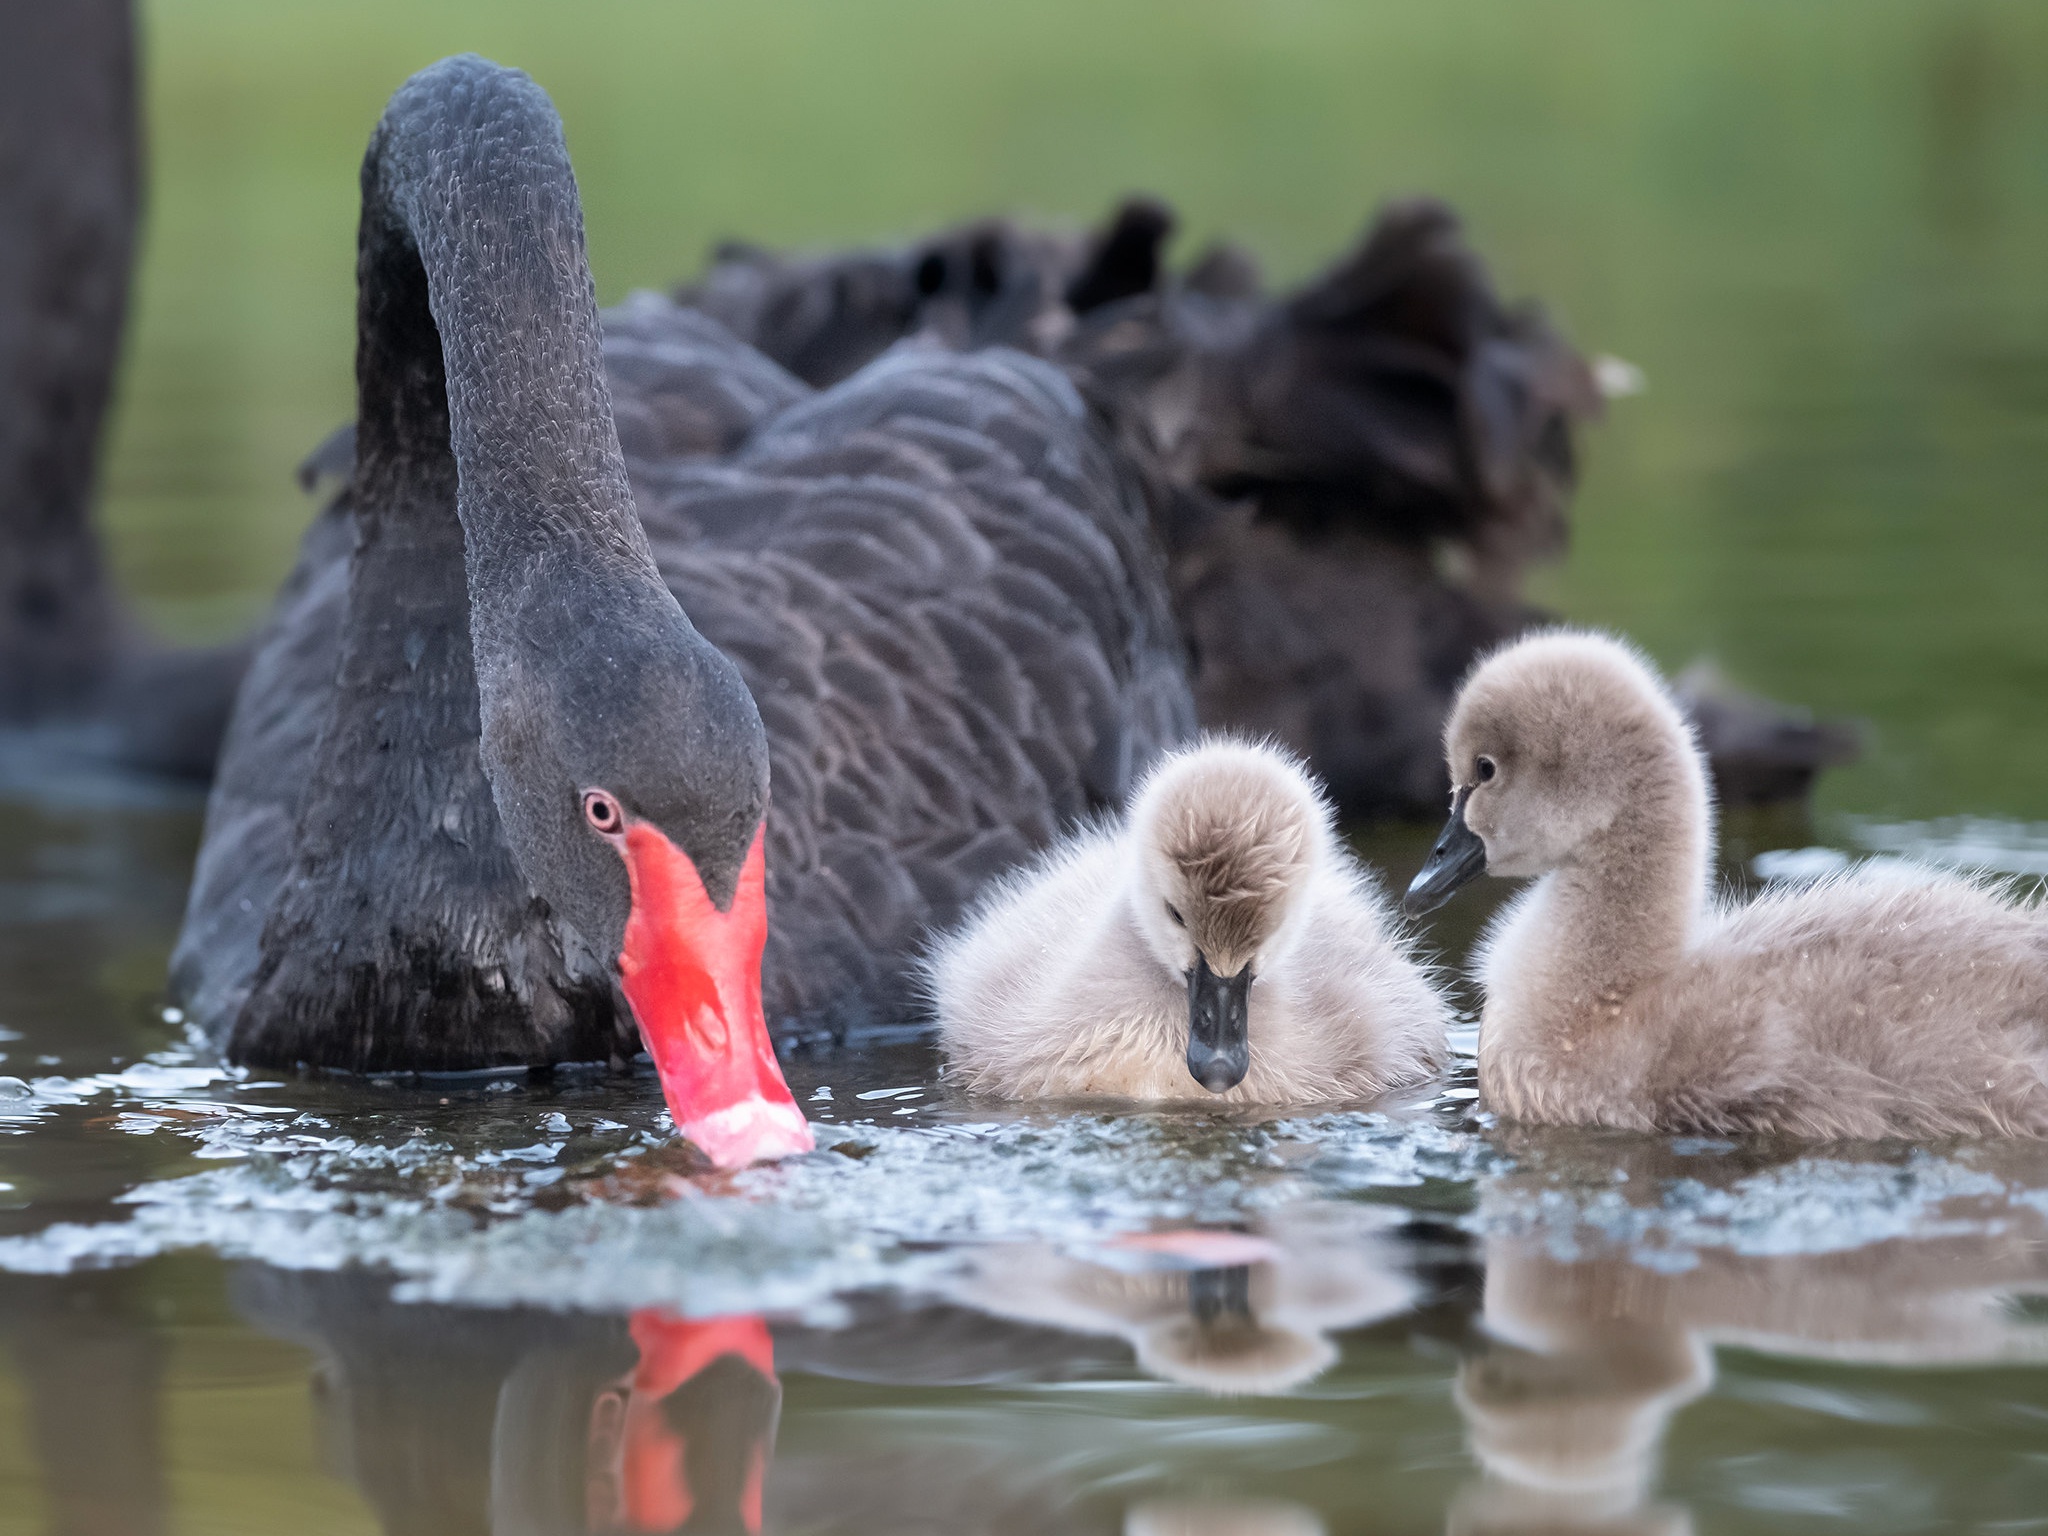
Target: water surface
<point x="236" y="1301"/>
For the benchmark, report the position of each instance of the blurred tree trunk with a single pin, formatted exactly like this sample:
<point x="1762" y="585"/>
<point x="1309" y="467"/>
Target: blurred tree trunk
<point x="69" y="180"/>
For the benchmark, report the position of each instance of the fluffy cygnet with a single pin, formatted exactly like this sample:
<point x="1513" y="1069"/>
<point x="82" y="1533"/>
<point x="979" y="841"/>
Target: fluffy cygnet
<point x="1218" y="941"/>
<point x="1876" y="1003"/>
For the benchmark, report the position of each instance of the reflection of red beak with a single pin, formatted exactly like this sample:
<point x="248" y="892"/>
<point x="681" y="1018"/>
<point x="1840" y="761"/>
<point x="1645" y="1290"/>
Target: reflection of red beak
<point x="654" y="1491"/>
<point x="693" y="976"/>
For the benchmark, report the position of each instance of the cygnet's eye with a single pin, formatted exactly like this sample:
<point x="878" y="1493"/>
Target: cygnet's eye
<point x="1174" y="912"/>
<point x="603" y="813"/>
<point x="1487" y="769"/>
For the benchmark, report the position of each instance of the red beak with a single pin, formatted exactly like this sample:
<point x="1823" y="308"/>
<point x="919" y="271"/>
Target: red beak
<point x="693" y="976"/>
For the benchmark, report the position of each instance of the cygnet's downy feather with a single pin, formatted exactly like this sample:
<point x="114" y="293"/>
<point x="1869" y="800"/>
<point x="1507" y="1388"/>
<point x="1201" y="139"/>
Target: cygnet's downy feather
<point x="1072" y="977"/>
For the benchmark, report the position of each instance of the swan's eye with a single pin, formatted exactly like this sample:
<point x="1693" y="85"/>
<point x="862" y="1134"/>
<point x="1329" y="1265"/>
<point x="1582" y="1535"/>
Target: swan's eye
<point x="1487" y="769"/>
<point x="602" y="812"/>
<point x="1174" y="912"/>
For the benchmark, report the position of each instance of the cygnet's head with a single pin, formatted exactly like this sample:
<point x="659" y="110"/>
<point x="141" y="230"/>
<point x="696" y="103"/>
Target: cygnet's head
<point x="1551" y="740"/>
<point x="1226" y="834"/>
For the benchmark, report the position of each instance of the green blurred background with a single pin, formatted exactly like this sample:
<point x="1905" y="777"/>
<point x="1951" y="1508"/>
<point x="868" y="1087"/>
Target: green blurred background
<point x="1818" y="226"/>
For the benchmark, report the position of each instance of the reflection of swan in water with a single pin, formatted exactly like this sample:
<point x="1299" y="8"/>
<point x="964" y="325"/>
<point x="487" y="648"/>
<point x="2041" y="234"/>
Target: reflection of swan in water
<point x="1567" y="1428"/>
<point x="454" y="1422"/>
<point x="1567" y="1405"/>
<point x="464" y="1423"/>
<point x="1229" y="1313"/>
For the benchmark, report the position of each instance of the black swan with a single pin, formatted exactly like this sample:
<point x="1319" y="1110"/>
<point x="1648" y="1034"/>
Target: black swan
<point x="74" y="666"/>
<point x="1355" y="476"/>
<point x="508" y="741"/>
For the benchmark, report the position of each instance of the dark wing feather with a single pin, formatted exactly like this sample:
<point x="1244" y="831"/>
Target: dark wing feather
<point x="1398" y="395"/>
<point x="1309" y="455"/>
<point x="989" y="283"/>
<point x="681" y="387"/>
<point x="1390" y="407"/>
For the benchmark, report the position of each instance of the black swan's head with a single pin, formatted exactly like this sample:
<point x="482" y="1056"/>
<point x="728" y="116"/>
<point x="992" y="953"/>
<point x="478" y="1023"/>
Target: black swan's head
<point x="625" y="754"/>
<point x="630" y="771"/>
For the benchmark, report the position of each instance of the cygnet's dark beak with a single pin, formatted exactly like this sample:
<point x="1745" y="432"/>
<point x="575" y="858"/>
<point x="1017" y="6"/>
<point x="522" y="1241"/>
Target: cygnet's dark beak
<point x="1219" y="1026"/>
<point x="1458" y="858"/>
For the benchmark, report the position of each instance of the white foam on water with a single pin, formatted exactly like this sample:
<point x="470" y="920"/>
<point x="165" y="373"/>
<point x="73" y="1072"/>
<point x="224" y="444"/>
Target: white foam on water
<point x="1799" y="866"/>
<point x="571" y="1208"/>
<point x="172" y="1075"/>
<point x="1811" y="1205"/>
<point x="877" y="1204"/>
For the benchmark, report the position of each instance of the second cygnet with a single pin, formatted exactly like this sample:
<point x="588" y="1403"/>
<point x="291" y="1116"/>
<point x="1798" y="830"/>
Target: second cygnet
<point x="1619" y="992"/>
<point x="1220" y="940"/>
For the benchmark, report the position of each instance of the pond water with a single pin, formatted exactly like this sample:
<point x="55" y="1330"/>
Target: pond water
<point x="234" y="1302"/>
<point x="237" y="1303"/>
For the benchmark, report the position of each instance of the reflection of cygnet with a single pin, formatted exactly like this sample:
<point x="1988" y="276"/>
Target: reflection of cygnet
<point x="1567" y="1421"/>
<point x="1223" y="1517"/>
<point x="1220" y="941"/>
<point x="1585" y="1422"/>
<point x="1589" y="1358"/>
<point x="1233" y="1328"/>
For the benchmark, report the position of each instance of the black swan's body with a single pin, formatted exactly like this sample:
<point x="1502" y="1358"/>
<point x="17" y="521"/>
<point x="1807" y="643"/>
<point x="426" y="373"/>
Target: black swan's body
<point x="937" y="582"/>
<point x="74" y="667"/>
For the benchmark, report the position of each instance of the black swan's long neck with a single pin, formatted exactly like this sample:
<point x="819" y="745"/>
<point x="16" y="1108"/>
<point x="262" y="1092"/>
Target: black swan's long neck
<point x="492" y="519"/>
<point x="510" y="649"/>
<point x="588" y="672"/>
<point x="479" y="339"/>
